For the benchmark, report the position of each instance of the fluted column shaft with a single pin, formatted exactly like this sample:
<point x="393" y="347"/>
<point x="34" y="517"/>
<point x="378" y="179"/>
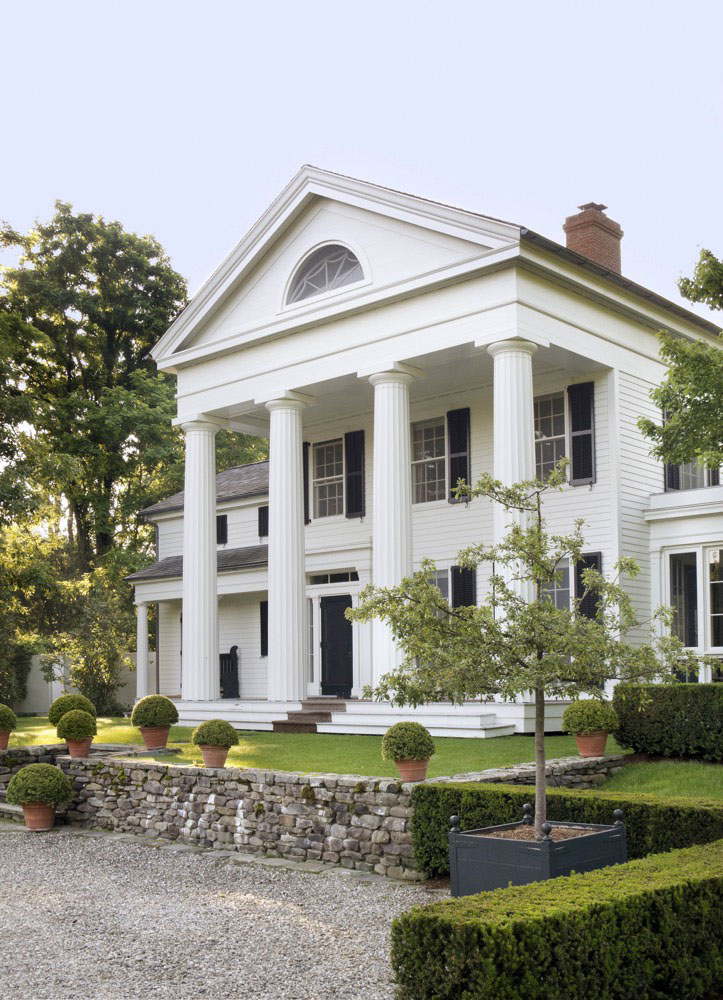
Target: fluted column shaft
<point x="141" y="650"/>
<point x="392" y="524"/>
<point x="514" y="426"/>
<point x="201" y="676"/>
<point x="287" y="583"/>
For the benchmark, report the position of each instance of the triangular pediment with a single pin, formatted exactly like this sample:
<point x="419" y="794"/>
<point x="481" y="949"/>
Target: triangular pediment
<point x="397" y="238"/>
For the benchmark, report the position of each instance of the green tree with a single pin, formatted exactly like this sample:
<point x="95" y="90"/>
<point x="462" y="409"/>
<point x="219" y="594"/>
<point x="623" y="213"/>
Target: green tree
<point x="691" y="394"/>
<point x="517" y="641"/>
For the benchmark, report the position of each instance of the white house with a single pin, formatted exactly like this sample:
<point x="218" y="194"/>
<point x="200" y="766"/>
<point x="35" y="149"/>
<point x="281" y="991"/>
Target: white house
<point x="387" y="345"/>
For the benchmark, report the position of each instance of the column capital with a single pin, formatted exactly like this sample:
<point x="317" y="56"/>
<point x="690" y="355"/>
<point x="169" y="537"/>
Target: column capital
<point x="143" y="603"/>
<point x="390" y="371"/>
<point x="512" y="345"/>
<point x="289" y="399"/>
<point x="201" y="425"/>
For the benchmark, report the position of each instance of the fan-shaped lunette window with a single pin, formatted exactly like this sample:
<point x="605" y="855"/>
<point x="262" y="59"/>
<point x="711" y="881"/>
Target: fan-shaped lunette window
<point x="324" y="270"/>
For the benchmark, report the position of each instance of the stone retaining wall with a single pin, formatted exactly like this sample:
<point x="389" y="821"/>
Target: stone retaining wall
<point x="348" y="820"/>
<point x="13" y="759"/>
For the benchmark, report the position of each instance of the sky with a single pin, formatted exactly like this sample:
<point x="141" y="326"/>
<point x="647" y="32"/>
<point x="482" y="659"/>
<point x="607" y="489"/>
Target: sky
<point x="185" y="119"/>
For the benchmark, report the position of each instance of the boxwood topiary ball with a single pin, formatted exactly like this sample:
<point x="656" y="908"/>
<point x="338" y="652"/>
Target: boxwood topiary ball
<point x="589" y="716"/>
<point x="77" y="725"/>
<point x="39" y="783"/>
<point x="407" y="741"/>
<point x="69" y="703"/>
<point x="154" y="711"/>
<point x="215" y="733"/>
<point x="8" y="721"/>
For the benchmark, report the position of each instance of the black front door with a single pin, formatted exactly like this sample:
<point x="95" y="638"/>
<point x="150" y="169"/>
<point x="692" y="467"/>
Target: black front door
<point x="336" y="647"/>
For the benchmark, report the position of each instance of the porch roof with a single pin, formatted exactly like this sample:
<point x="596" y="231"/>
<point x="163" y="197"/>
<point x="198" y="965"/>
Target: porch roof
<point x="233" y="484"/>
<point x="228" y="560"/>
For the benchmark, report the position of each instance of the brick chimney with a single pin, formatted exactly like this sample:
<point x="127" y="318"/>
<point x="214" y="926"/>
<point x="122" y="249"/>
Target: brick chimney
<point x="592" y="234"/>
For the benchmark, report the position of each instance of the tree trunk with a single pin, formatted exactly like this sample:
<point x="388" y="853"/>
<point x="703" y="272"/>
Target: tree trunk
<point x="540" y="778"/>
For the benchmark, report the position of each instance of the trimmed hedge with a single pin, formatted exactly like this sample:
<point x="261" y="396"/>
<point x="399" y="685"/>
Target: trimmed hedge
<point x="673" y="720"/>
<point x="154" y="711"/>
<point x="589" y="716"/>
<point x="648" y="929"/>
<point x="77" y="725"/>
<point x="407" y="741"/>
<point x="8" y="719"/>
<point x="215" y="733"/>
<point x="39" y="783"/>
<point x="69" y="703"/>
<point x="652" y="824"/>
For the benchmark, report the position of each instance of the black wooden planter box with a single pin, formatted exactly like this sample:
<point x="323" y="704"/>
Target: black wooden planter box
<point x="478" y="863"/>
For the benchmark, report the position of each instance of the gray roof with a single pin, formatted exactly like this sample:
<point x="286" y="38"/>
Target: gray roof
<point x="233" y="484"/>
<point x="227" y="560"/>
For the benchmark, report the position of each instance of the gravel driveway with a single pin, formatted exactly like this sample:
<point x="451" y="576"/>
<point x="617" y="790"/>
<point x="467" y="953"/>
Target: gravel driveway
<point x="97" y="918"/>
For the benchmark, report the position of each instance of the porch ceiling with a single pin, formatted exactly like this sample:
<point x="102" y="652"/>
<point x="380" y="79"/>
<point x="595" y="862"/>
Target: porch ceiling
<point x="461" y="368"/>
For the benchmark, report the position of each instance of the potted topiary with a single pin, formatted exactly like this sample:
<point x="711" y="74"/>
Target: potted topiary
<point x="77" y="728"/>
<point x="215" y="738"/>
<point x="154" y="715"/>
<point x="590" y="721"/>
<point x="39" y="789"/>
<point x="69" y="703"/>
<point x="8" y="722"/>
<point x="410" y="746"/>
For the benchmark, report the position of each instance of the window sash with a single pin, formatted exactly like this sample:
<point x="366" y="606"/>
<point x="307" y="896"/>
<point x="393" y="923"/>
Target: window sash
<point x="429" y="460"/>
<point x="558" y="591"/>
<point x="328" y="488"/>
<point x="550" y="432"/>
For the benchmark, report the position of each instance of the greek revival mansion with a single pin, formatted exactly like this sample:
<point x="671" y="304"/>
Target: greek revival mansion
<point x="388" y="345"/>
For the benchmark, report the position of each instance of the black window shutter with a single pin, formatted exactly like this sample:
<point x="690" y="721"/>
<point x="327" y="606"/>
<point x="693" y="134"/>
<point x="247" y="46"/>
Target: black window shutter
<point x="221" y="529"/>
<point x="263" y="522"/>
<point x="582" y="432"/>
<point x="714" y="477"/>
<point x="264" y="622"/>
<point x="464" y="587"/>
<point x="672" y="477"/>
<point x="458" y="446"/>
<point x="305" y="459"/>
<point x="354" y="460"/>
<point x="588" y="603"/>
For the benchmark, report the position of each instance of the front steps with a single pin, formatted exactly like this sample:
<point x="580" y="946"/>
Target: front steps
<point x="473" y="720"/>
<point x="313" y="712"/>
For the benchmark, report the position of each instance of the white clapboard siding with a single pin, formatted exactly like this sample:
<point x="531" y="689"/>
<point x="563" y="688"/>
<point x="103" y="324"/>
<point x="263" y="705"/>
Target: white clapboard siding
<point x="239" y="625"/>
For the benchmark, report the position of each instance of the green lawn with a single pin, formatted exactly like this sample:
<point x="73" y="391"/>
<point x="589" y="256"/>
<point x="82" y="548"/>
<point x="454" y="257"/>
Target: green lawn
<point x="362" y="755"/>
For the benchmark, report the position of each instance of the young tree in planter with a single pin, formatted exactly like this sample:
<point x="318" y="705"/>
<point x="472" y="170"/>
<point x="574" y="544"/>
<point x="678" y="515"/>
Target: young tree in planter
<point x="518" y="641"/>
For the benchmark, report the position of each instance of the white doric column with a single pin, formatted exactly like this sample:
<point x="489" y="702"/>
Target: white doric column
<point x="142" y="688"/>
<point x="392" y="509"/>
<point x="287" y="583"/>
<point x="514" y="423"/>
<point x="201" y="675"/>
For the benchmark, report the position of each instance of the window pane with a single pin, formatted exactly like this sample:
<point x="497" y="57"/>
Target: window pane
<point x="328" y="268"/>
<point x="684" y="597"/>
<point x="558" y="591"/>
<point x="328" y="478"/>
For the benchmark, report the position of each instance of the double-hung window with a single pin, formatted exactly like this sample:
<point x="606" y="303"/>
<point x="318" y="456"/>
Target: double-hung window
<point x="429" y="460"/>
<point x="695" y="592"/>
<point x="328" y="479"/>
<point x="558" y="591"/>
<point x="550" y="436"/>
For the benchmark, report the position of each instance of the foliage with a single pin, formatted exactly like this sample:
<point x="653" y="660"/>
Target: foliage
<point x="15" y="661"/>
<point x="679" y="720"/>
<point x="77" y="725"/>
<point x="69" y="703"/>
<point x="690" y="395"/>
<point x="8" y="720"/>
<point x="215" y="733"/>
<point x="407" y="741"/>
<point x="589" y="716"/>
<point x="518" y="641"/>
<point x="648" y="928"/>
<point x="153" y="711"/>
<point x="652" y="823"/>
<point x="39" y="783"/>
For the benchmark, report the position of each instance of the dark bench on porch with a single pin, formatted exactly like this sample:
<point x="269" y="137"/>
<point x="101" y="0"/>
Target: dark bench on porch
<point x="229" y="673"/>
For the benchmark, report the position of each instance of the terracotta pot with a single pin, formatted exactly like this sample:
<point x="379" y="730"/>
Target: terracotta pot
<point x="214" y="756"/>
<point x="155" y="737"/>
<point x="591" y="744"/>
<point x="4" y="737"/>
<point x="39" y="816"/>
<point x="79" y="748"/>
<point x="412" y="770"/>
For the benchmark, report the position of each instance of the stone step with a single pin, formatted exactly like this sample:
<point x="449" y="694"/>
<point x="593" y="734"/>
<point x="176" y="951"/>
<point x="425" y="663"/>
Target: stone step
<point x="309" y="716"/>
<point x="329" y="704"/>
<point x="290" y="726"/>
<point x="8" y="811"/>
